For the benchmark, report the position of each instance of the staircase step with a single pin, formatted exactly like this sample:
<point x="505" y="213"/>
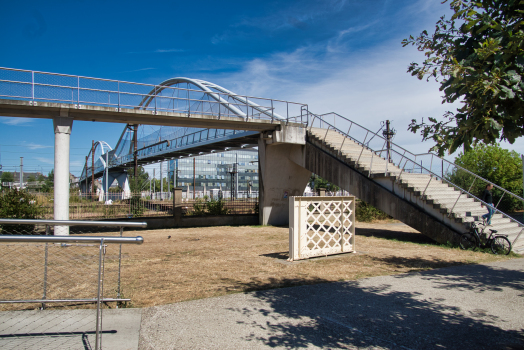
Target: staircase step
<point x="437" y="192"/>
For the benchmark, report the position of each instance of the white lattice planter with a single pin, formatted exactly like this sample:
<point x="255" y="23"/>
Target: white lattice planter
<point x="321" y="226"/>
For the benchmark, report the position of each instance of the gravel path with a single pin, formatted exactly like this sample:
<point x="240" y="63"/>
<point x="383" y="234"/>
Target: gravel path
<point x="463" y="307"/>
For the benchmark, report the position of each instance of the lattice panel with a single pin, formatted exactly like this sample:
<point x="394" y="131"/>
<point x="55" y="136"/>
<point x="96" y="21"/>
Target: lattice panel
<point x="321" y="226"/>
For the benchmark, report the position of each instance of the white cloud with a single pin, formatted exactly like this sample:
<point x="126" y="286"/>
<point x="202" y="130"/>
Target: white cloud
<point x="36" y="146"/>
<point x="15" y="121"/>
<point x="169" y="50"/>
<point x="45" y="160"/>
<point x="138" y="70"/>
<point x="366" y="86"/>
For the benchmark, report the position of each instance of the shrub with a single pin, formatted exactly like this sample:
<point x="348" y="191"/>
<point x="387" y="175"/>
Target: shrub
<point x="138" y="206"/>
<point x="199" y="207"/>
<point x="216" y="207"/>
<point x="367" y="213"/>
<point x="15" y="204"/>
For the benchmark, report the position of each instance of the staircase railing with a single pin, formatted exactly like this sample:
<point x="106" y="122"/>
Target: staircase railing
<point x="505" y="202"/>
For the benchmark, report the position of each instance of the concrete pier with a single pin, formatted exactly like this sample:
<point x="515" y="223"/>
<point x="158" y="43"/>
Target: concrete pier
<point x="62" y="127"/>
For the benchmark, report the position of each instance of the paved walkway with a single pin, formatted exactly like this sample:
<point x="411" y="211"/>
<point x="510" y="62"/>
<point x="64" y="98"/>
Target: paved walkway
<point x="464" y="307"/>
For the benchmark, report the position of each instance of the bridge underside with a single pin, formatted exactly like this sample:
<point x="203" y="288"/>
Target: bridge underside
<point x="249" y="140"/>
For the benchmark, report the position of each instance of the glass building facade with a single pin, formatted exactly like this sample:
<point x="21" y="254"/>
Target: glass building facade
<point x="231" y="171"/>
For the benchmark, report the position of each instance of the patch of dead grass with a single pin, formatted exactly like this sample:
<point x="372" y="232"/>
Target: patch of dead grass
<point x="204" y="262"/>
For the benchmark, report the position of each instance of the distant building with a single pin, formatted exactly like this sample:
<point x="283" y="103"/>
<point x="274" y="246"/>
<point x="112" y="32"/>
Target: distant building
<point x="235" y="169"/>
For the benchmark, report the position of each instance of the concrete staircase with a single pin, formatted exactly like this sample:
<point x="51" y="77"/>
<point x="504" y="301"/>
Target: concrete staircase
<point x="441" y="202"/>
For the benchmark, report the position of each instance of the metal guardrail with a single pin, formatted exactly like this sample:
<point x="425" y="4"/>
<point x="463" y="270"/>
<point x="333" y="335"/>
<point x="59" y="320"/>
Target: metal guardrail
<point x="172" y="145"/>
<point x="72" y="223"/>
<point x="28" y="247"/>
<point x="439" y="168"/>
<point x="80" y="90"/>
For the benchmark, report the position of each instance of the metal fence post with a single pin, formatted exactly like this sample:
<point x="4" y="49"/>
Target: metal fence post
<point x="98" y="339"/>
<point x="118" y="292"/>
<point x="33" y="85"/>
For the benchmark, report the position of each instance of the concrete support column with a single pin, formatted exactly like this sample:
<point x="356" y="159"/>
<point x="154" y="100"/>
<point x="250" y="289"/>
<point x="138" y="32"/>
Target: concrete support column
<point x="281" y="174"/>
<point x="62" y="127"/>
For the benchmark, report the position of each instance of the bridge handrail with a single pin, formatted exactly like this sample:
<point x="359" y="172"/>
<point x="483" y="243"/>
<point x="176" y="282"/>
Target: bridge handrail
<point x="403" y="149"/>
<point x="122" y="159"/>
<point x="154" y="86"/>
<point x="71" y="223"/>
<point x="429" y="171"/>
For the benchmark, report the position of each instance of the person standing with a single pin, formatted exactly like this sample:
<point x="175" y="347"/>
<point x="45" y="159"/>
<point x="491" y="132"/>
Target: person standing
<point x="488" y="199"/>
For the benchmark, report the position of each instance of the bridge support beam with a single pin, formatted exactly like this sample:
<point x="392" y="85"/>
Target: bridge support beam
<point x="62" y="127"/>
<point x="123" y="182"/>
<point x="281" y="157"/>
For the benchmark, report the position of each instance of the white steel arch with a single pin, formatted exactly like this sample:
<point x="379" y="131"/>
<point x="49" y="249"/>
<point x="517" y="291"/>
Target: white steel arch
<point x="207" y="88"/>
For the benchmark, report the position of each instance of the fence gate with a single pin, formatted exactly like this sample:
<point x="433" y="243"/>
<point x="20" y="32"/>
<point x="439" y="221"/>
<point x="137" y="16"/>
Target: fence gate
<point x="321" y="226"/>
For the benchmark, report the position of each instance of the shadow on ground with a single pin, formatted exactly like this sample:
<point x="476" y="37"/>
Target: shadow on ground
<point x="412" y="237"/>
<point x="348" y="315"/>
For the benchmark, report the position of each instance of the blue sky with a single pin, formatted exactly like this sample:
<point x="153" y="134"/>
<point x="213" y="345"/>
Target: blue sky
<point x="335" y="55"/>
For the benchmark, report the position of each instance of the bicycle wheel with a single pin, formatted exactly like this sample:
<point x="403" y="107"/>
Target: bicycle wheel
<point x="500" y="245"/>
<point x="468" y="241"/>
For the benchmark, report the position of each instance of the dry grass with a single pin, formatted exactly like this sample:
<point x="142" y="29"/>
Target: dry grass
<point x="204" y="262"/>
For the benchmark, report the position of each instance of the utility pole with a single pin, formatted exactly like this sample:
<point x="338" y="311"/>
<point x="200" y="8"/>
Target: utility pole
<point x="21" y="172"/>
<point x="135" y="155"/>
<point x="93" y="168"/>
<point x="167" y="177"/>
<point x="161" y="180"/>
<point x="194" y="177"/>
<point x="87" y="189"/>
<point x="236" y="177"/>
<point x="388" y="134"/>
<point x="107" y="176"/>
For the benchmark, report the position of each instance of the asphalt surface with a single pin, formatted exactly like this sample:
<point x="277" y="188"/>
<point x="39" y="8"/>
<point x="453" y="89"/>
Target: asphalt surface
<point x="463" y="307"/>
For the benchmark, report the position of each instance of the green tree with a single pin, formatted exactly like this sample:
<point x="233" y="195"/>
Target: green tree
<point x="316" y="182"/>
<point x="136" y="185"/>
<point x="7" y="177"/>
<point x="495" y="164"/>
<point x="31" y="178"/>
<point x="18" y="204"/>
<point x="141" y="181"/>
<point x="49" y="183"/>
<point x="478" y="57"/>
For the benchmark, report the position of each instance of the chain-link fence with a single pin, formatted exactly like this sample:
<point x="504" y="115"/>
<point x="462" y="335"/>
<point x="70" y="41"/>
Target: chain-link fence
<point x="54" y="288"/>
<point x="219" y="206"/>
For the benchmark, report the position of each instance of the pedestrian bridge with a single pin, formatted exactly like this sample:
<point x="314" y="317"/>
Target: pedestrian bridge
<point x="430" y="194"/>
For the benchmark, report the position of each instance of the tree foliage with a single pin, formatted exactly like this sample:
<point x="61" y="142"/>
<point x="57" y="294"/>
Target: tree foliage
<point x="478" y="57"/>
<point x="49" y="183"/>
<point x="495" y="164"/>
<point x="316" y="182"/>
<point x="141" y="181"/>
<point x="18" y="204"/>
<point x="7" y="177"/>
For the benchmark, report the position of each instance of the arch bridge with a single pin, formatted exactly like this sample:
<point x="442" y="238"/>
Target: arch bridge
<point x="428" y="193"/>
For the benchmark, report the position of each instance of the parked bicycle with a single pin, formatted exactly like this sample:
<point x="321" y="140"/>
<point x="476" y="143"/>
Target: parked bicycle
<point x="471" y="240"/>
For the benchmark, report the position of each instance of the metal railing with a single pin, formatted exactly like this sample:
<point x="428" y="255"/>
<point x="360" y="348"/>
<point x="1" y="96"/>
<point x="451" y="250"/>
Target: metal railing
<point x="38" y="86"/>
<point x="179" y="143"/>
<point x="402" y="161"/>
<point x="45" y="276"/>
